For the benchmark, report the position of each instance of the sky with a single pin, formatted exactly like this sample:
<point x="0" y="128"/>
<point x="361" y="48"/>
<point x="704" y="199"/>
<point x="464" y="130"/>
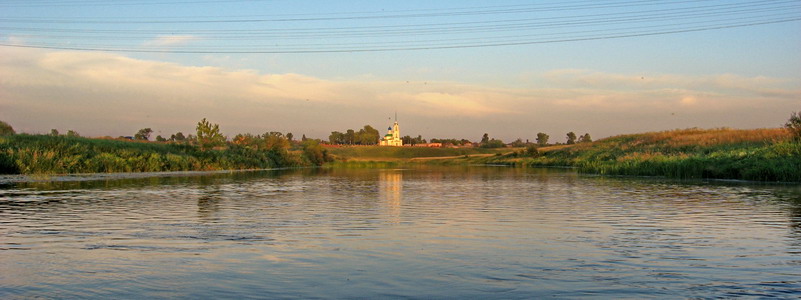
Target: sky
<point x="450" y="69"/>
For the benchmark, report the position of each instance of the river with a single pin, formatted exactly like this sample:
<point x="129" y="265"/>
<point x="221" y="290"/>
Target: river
<point x="445" y="233"/>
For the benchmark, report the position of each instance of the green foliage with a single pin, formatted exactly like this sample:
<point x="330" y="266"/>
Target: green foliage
<point x="485" y="138"/>
<point x="571" y="138"/>
<point x="178" y="137"/>
<point x="493" y="143"/>
<point x="365" y="136"/>
<point x="6" y="129"/>
<point x="45" y="154"/>
<point x="531" y="151"/>
<point x="455" y="142"/>
<point x="160" y="139"/>
<point x="542" y="139"/>
<point x="54" y="132"/>
<point x="408" y="140"/>
<point x="518" y="143"/>
<point x="314" y="152"/>
<point x="208" y="135"/>
<point x="72" y="133"/>
<point x="586" y="138"/>
<point x="679" y="154"/>
<point x="794" y="125"/>
<point x="143" y="134"/>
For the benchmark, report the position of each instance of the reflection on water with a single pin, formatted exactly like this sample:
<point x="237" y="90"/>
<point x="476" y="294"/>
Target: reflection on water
<point x="391" y="188"/>
<point x="461" y="232"/>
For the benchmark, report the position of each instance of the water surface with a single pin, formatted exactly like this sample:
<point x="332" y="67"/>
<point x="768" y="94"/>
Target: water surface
<point x="452" y="233"/>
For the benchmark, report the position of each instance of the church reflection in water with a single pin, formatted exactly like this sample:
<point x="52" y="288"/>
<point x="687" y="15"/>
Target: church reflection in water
<point x="391" y="191"/>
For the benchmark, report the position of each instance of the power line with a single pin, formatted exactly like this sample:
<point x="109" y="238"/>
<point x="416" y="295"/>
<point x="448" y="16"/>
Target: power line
<point x="419" y="47"/>
<point x="525" y="27"/>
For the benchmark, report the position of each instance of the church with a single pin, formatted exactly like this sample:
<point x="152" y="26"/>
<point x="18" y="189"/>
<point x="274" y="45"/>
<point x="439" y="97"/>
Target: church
<point x="393" y="137"/>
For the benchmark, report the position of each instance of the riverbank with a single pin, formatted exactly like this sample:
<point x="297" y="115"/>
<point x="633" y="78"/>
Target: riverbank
<point x="43" y="154"/>
<point x="758" y="155"/>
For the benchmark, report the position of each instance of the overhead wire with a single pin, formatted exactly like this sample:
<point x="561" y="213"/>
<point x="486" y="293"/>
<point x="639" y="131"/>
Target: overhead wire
<point x="446" y="34"/>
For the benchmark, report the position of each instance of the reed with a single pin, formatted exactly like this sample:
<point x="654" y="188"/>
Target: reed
<point x="44" y="154"/>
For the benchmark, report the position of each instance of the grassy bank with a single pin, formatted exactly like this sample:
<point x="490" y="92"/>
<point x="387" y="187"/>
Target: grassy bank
<point x="761" y="155"/>
<point x="42" y="154"/>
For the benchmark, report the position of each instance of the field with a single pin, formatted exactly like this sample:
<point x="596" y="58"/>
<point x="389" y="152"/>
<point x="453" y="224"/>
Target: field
<point x="760" y="154"/>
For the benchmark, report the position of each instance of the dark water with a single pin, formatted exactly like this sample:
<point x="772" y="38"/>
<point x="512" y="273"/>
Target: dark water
<point x="425" y="233"/>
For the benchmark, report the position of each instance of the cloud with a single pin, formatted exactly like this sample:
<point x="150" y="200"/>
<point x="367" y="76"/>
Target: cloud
<point x="109" y="94"/>
<point x="171" y="40"/>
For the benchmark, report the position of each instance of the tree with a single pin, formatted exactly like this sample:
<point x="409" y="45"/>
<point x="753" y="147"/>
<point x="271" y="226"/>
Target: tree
<point x="794" y="125"/>
<point x="6" y="129"/>
<point x="54" y="132"/>
<point x="336" y="138"/>
<point x="303" y="139"/>
<point x="289" y="136"/>
<point x="208" y="134"/>
<point x="571" y="138"/>
<point x="542" y="139"/>
<point x="274" y="140"/>
<point x="350" y="137"/>
<point x="160" y="139"/>
<point x="143" y="134"/>
<point x="314" y="152"/>
<point x="518" y="143"/>
<point x="368" y="136"/>
<point x="178" y="137"/>
<point x="585" y="138"/>
<point x="485" y="138"/>
<point x="406" y="140"/>
<point x="72" y="133"/>
<point x="493" y="143"/>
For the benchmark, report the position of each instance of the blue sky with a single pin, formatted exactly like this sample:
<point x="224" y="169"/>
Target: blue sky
<point x="52" y="76"/>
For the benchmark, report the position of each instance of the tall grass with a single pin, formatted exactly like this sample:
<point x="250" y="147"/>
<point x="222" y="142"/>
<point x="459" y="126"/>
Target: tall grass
<point x="762" y="155"/>
<point x="42" y="154"/>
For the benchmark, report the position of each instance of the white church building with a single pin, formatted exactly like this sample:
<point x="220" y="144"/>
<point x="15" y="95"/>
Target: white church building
<point x="393" y="137"/>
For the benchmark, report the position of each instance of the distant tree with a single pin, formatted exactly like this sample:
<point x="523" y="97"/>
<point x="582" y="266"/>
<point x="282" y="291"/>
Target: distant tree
<point x="143" y="134"/>
<point x="208" y="134"/>
<point x="54" y="132"/>
<point x="336" y="138"/>
<point x="585" y="138"/>
<point x="493" y="143"/>
<point x="368" y="136"/>
<point x="6" y="129"/>
<point x="72" y="133"/>
<point x="178" y="137"/>
<point x="542" y="139"/>
<point x="518" y="143"/>
<point x="289" y="136"/>
<point x="794" y="125"/>
<point x="406" y="140"/>
<point x="160" y="139"/>
<point x="485" y="138"/>
<point x="350" y="137"/>
<point x="571" y="138"/>
<point x="303" y="139"/>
